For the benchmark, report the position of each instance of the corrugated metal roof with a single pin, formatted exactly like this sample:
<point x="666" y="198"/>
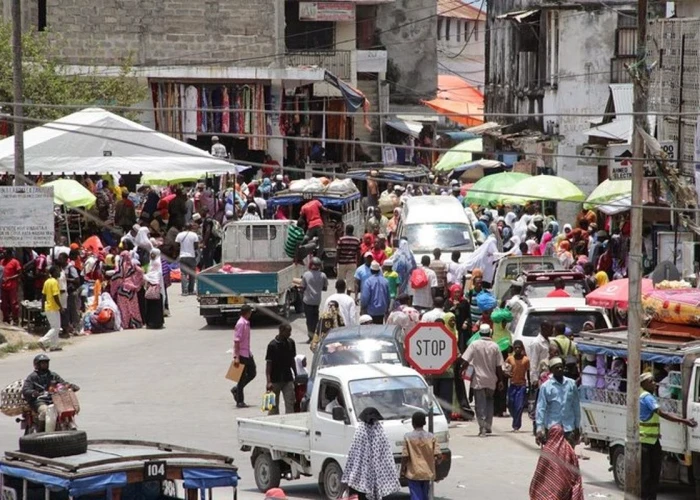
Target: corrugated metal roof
<point x="459" y="10"/>
<point x="617" y="130"/>
<point x="623" y="97"/>
<point x="518" y="15"/>
<point x="484" y="127"/>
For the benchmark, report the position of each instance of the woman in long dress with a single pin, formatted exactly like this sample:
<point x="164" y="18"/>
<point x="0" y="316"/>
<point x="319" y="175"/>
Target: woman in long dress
<point x="124" y="287"/>
<point x="404" y="264"/>
<point x="155" y="292"/>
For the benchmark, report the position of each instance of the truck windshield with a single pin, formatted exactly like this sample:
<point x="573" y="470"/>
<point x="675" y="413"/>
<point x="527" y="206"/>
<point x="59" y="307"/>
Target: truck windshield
<point x="396" y="398"/>
<point x="359" y="351"/>
<point x="535" y="290"/>
<point x="445" y="236"/>
<point x="572" y="319"/>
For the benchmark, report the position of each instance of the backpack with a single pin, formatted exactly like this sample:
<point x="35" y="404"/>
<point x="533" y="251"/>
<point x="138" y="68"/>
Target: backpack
<point x="419" y="278"/>
<point x="570" y="361"/>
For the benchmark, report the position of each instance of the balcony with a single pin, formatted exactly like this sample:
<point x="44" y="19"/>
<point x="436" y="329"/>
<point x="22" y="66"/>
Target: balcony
<point x="338" y="62"/>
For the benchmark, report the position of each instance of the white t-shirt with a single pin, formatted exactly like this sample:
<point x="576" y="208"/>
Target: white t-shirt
<point x="187" y="239"/>
<point x="433" y="315"/>
<point x="55" y="252"/>
<point x="346" y="307"/>
<point x="589" y="376"/>
<point x="423" y="297"/>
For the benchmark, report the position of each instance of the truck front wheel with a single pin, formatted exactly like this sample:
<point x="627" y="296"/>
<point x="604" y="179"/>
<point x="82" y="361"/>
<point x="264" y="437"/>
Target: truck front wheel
<point x="332" y="481"/>
<point x="617" y="461"/>
<point x="267" y="472"/>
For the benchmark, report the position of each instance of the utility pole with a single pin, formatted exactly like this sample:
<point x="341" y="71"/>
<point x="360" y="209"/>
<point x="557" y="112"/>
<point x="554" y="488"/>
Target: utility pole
<point x="633" y="447"/>
<point x="18" y="94"/>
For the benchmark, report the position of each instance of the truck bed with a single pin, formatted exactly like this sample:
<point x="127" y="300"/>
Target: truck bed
<point x="271" y="278"/>
<point x="288" y="433"/>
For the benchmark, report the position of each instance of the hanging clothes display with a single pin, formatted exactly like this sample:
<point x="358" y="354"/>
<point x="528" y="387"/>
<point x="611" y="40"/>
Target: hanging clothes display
<point x="190" y="114"/>
<point x="226" y="117"/>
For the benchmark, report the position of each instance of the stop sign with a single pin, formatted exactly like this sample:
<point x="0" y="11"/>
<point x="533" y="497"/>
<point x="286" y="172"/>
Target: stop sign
<point x="430" y="348"/>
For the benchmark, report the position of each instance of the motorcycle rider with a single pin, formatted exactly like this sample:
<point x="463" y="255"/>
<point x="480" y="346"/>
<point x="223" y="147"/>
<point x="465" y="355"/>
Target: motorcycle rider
<point x="36" y="387"/>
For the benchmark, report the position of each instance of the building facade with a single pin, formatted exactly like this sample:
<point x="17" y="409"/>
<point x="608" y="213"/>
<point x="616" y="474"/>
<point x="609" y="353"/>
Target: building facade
<point x="461" y="35"/>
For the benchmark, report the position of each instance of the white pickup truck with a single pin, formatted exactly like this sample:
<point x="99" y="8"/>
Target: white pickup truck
<point x="315" y="444"/>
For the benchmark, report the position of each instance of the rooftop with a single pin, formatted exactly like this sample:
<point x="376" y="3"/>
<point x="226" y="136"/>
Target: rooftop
<point x="460" y="10"/>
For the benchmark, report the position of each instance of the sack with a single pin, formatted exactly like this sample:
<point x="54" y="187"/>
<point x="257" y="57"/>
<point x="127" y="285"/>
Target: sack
<point x="268" y="401"/>
<point x="152" y="292"/>
<point x="11" y="401"/>
<point x="419" y="278"/>
<point x="485" y="301"/>
<point x="570" y="361"/>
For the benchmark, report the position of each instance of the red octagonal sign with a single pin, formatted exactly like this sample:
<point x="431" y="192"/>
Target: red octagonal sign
<point x="430" y="348"/>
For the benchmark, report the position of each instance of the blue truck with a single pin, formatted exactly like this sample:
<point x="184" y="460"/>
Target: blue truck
<point x="255" y="270"/>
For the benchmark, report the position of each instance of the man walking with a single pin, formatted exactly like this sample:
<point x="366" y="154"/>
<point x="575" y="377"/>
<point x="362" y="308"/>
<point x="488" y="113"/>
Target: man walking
<point x="346" y="304"/>
<point x="188" y="241"/>
<point x="52" y="310"/>
<point x="440" y="269"/>
<point x="485" y="358"/>
<point x="348" y="256"/>
<point x="420" y="453"/>
<point x="280" y="368"/>
<point x="313" y="284"/>
<point x="242" y="355"/>
<point x="558" y="404"/>
<point x="375" y="295"/>
<point x="649" y="435"/>
<point x="424" y="285"/>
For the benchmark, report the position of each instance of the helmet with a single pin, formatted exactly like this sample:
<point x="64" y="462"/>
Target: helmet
<point x="41" y="357"/>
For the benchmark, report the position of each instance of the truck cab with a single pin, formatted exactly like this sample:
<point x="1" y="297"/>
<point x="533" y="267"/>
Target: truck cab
<point x="316" y="443"/>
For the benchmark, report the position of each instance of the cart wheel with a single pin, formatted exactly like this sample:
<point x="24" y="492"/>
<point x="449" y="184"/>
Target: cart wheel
<point x="332" y="481"/>
<point x="54" y="444"/>
<point x="267" y="472"/>
<point x="618" y="466"/>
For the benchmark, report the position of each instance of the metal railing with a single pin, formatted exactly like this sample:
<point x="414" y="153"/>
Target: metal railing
<point x="338" y="62"/>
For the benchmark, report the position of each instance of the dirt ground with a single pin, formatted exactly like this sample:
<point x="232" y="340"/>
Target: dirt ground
<point x="17" y="340"/>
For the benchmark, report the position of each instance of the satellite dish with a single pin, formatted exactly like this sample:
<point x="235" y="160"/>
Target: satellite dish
<point x="665" y="271"/>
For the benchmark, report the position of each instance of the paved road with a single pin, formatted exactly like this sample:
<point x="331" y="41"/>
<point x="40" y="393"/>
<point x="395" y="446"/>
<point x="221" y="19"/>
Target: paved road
<point x="169" y="386"/>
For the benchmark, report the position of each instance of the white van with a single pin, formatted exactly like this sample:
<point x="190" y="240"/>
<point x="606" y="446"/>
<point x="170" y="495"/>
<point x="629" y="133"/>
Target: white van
<point x="430" y="222"/>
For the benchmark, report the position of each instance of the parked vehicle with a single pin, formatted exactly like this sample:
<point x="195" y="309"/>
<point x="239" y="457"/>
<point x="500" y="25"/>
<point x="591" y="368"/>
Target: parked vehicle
<point x="604" y="411"/>
<point x="511" y="267"/>
<point x="60" y="414"/>
<point x="59" y="466"/>
<point x="353" y="345"/>
<point x="538" y="283"/>
<point x="430" y="222"/>
<point x="528" y="315"/>
<point x="342" y="197"/>
<point x="315" y="444"/>
<point x="255" y="271"/>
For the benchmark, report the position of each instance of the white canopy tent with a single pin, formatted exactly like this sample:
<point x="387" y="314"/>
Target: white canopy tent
<point x="95" y="141"/>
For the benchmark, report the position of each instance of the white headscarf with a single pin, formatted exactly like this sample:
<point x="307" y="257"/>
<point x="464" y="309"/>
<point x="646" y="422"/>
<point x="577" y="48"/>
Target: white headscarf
<point x="520" y="228"/>
<point x="154" y="276"/>
<point x="106" y="302"/>
<point x="143" y="239"/>
<point x="510" y="219"/>
<point x="484" y="258"/>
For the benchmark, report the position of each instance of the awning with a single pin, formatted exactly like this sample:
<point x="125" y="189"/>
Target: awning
<point x="406" y="127"/>
<point x="354" y="98"/>
<point x="459" y="100"/>
<point x="483" y="128"/>
<point x="518" y="15"/>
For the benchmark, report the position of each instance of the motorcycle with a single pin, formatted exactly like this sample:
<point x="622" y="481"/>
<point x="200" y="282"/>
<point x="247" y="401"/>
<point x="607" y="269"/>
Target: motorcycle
<point x="62" y="407"/>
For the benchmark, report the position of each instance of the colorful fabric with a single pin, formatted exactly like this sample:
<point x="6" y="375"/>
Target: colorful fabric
<point x="557" y="474"/>
<point x="124" y="286"/>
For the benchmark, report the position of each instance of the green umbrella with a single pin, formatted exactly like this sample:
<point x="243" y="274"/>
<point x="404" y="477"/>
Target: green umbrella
<point x="459" y="155"/>
<point x="544" y="187"/>
<point x="70" y="193"/>
<point x="492" y="188"/>
<point x="608" y="191"/>
<point x="171" y="178"/>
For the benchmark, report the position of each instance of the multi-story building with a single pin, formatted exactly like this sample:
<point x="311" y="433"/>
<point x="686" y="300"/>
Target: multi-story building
<point x="461" y="35"/>
<point x="262" y="55"/>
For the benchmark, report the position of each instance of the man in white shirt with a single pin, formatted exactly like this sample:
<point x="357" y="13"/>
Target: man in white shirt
<point x="423" y="297"/>
<point x="346" y="304"/>
<point x="218" y="149"/>
<point x="539" y="350"/>
<point x="61" y="247"/>
<point x="189" y="241"/>
<point x="436" y="313"/>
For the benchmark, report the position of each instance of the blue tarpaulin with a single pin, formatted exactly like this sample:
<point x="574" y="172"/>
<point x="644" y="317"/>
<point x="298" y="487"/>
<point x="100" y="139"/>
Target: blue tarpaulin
<point x="75" y="487"/>
<point x="209" y="478"/>
<point x="646" y="356"/>
<point x="293" y="199"/>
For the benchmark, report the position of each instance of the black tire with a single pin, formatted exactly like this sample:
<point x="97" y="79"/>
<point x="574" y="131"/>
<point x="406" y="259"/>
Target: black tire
<point x="267" y="472"/>
<point x="54" y="444"/>
<point x="617" y="461"/>
<point x="332" y="487"/>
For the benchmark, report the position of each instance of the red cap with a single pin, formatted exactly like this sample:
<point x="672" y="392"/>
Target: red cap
<point x="275" y="493"/>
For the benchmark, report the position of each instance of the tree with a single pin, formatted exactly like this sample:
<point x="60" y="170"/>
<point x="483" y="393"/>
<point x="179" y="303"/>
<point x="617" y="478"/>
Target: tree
<point x="45" y="81"/>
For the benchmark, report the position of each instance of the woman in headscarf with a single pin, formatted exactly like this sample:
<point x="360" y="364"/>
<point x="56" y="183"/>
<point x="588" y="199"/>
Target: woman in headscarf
<point x="370" y="470"/>
<point x="367" y="244"/>
<point x="513" y="248"/>
<point x="143" y="246"/>
<point x="105" y="318"/>
<point x="484" y="258"/>
<point x="327" y="320"/>
<point x="393" y="224"/>
<point x="601" y="278"/>
<point x="566" y="258"/>
<point x="155" y="292"/>
<point x="546" y="247"/>
<point x="563" y="235"/>
<point x="404" y="264"/>
<point x="533" y="248"/>
<point x="124" y="287"/>
<point x="378" y="252"/>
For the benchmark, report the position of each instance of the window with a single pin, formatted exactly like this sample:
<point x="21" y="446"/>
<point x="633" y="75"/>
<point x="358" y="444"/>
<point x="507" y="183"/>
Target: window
<point x="440" y="23"/>
<point x="329" y="396"/>
<point x="41" y="20"/>
<point x="306" y="35"/>
<point x="459" y="31"/>
<point x="447" y="29"/>
<point x="260" y="232"/>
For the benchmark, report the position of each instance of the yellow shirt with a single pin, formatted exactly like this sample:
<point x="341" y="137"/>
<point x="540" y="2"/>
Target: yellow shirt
<point x="50" y="291"/>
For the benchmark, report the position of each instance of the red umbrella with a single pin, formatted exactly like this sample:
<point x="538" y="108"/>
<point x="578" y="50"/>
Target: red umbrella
<point x="464" y="189"/>
<point x="615" y="293"/>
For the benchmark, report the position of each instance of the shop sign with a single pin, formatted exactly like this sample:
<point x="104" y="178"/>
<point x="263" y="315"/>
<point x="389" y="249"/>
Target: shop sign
<point x="326" y="11"/>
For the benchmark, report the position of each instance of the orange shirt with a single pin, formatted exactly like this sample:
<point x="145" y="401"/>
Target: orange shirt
<point x="520" y="368"/>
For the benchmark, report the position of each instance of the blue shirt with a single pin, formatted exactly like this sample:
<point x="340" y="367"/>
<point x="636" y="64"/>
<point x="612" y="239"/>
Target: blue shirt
<point x="375" y="295"/>
<point x="362" y="273"/>
<point x="558" y="403"/>
<point x="647" y="406"/>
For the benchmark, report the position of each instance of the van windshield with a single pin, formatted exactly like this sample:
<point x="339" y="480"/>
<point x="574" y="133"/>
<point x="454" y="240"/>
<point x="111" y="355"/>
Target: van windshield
<point x="445" y="236"/>
<point x="393" y="397"/>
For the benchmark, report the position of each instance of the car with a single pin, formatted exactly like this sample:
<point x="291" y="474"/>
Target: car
<point x="528" y="315"/>
<point x="539" y="283"/>
<point x="511" y="267"/>
<point x="354" y="345"/>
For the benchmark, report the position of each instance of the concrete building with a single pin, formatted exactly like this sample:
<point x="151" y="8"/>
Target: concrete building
<point x="558" y="59"/>
<point x="461" y="41"/>
<point x="271" y="51"/>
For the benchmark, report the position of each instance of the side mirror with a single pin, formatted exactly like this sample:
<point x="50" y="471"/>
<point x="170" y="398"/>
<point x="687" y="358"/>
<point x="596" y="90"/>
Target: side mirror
<point x="339" y="414"/>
